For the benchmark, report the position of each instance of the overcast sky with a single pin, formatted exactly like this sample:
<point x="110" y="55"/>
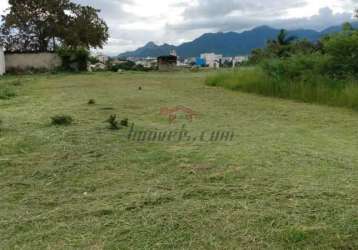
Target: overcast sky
<point x="135" y="22"/>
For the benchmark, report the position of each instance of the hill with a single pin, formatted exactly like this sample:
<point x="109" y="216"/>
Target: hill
<point x="228" y="44"/>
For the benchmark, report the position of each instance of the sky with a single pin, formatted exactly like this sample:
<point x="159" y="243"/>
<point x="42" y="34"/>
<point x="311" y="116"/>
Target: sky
<point x="133" y="23"/>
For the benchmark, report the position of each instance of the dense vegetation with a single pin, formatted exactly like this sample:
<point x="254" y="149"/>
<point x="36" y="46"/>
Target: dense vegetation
<point x="43" y="25"/>
<point x="324" y="72"/>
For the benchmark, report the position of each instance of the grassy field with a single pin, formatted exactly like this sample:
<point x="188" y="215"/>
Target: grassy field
<point x="287" y="180"/>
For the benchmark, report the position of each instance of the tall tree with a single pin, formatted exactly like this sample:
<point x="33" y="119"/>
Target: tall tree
<point x="86" y="29"/>
<point x="280" y="47"/>
<point x="283" y="38"/>
<point x="38" y="25"/>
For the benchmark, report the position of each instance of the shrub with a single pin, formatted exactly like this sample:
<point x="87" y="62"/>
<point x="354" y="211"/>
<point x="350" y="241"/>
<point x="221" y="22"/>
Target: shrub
<point x="343" y="51"/>
<point x="62" y="120"/>
<point x="296" y="67"/>
<point x="74" y="59"/>
<point x="91" y="102"/>
<point x="113" y="123"/>
<point x="307" y="87"/>
<point x="247" y="79"/>
<point x="128" y="65"/>
<point x="124" y="122"/>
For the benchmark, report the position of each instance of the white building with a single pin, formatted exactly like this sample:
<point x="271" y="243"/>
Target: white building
<point x="173" y="52"/>
<point x="149" y="62"/>
<point x="2" y="61"/>
<point x="102" y="58"/>
<point x="212" y="60"/>
<point x="239" y="59"/>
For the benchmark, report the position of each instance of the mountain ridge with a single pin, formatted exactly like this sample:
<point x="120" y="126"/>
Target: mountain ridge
<point x="228" y="43"/>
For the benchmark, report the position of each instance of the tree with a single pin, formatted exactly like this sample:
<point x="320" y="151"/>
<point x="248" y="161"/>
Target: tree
<point x="343" y="52"/>
<point x="281" y="46"/>
<point x="347" y="27"/>
<point x="86" y="29"/>
<point x="283" y="38"/>
<point x="39" y="25"/>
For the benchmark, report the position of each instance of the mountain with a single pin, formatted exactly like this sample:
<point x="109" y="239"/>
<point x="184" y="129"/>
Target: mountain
<point x="228" y="44"/>
<point x="150" y="50"/>
<point x="335" y="29"/>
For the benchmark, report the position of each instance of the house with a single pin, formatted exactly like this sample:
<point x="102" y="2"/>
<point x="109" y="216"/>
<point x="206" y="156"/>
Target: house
<point x="102" y="58"/>
<point x="212" y="60"/>
<point x="200" y="62"/>
<point x="173" y="52"/>
<point x="148" y="62"/>
<point x="166" y="63"/>
<point x="240" y="59"/>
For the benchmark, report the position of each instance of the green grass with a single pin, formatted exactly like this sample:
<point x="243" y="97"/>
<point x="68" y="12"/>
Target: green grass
<point x="7" y="92"/>
<point x="288" y="180"/>
<point x="314" y="89"/>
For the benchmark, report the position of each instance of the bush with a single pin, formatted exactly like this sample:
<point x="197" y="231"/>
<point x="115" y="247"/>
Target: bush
<point x="242" y="79"/>
<point x="62" y="120"/>
<point x="125" y="122"/>
<point x="128" y="65"/>
<point x="326" y="72"/>
<point x="91" y="102"/>
<point x="113" y="123"/>
<point x="296" y="67"/>
<point x="74" y="59"/>
<point x="343" y="51"/>
<point x="307" y="87"/>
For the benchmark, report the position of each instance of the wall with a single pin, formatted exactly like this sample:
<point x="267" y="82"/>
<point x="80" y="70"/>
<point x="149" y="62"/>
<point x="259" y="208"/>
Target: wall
<point x="26" y="61"/>
<point x="167" y="63"/>
<point x="2" y="61"/>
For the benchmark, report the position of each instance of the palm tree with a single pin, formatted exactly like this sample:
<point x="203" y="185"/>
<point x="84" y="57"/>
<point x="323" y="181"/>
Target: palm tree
<point x="280" y="46"/>
<point x="284" y="39"/>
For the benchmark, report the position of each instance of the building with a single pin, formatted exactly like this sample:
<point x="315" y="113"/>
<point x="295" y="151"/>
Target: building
<point x="148" y="62"/>
<point x="200" y="62"/>
<point x="190" y="61"/>
<point x="212" y="60"/>
<point x="166" y="63"/>
<point x="102" y="58"/>
<point x="2" y="61"/>
<point x="240" y="59"/>
<point x="173" y="52"/>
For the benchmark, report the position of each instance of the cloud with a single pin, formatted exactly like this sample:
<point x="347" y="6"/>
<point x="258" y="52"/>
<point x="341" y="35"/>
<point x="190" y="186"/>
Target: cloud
<point x="133" y="23"/>
<point x="218" y="8"/>
<point x="322" y="20"/>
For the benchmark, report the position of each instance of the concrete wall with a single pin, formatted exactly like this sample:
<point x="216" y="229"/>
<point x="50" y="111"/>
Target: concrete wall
<point x="25" y="61"/>
<point x="2" y="61"/>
